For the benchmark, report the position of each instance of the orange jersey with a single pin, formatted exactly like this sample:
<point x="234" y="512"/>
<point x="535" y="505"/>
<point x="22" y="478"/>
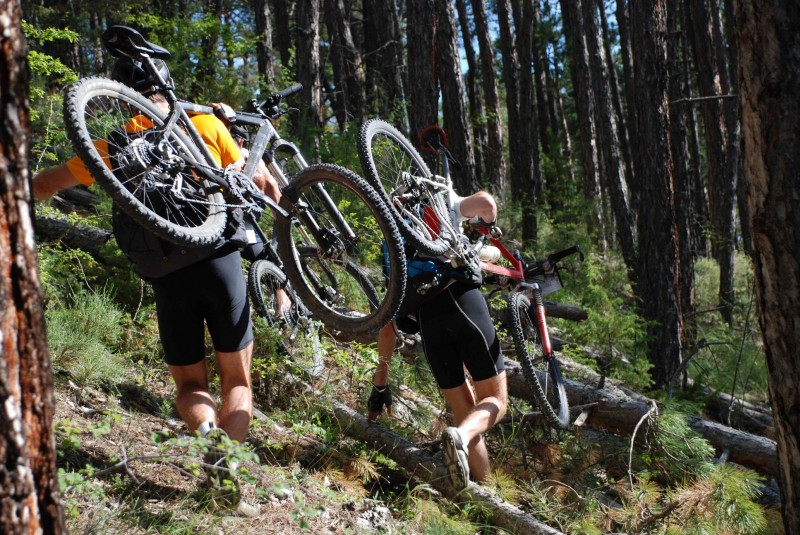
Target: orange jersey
<point x="216" y="136"/>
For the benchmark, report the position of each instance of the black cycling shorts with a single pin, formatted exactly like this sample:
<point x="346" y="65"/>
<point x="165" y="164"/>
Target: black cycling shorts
<point x="457" y="331"/>
<point x="213" y="292"/>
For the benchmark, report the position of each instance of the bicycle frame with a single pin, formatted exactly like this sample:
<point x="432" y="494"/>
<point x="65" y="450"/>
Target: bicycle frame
<point x="267" y="137"/>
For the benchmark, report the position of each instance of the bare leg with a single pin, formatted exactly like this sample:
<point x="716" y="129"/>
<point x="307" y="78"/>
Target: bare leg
<point x="237" y="394"/>
<point x="386" y="342"/>
<point x="387" y="338"/>
<point x="194" y="401"/>
<point x="282" y="301"/>
<point x="475" y="417"/>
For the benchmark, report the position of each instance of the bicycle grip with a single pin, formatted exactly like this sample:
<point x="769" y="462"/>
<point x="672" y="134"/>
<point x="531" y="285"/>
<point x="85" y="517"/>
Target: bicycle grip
<point x="555" y="257"/>
<point x="289" y="91"/>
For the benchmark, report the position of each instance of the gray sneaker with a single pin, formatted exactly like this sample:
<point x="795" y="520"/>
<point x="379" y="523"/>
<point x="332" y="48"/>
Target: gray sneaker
<point x="455" y="454"/>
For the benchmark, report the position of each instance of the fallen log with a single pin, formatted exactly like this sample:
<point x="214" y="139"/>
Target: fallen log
<point x="619" y="413"/>
<point x="89" y="239"/>
<point x="567" y="312"/>
<point x="423" y="466"/>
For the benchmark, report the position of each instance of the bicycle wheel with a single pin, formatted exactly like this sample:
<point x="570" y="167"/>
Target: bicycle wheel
<point x="263" y="281"/>
<point x="541" y="371"/>
<point x="393" y="167"/>
<point x="331" y="282"/>
<point x="154" y="178"/>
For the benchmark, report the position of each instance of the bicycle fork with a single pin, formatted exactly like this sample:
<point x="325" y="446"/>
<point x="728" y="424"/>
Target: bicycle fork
<point x="541" y="319"/>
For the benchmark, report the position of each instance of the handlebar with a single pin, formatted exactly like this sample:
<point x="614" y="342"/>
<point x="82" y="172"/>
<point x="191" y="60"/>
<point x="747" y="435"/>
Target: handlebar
<point x="253" y="119"/>
<point x="547" y="265"/>
<point x="269" y="105"/>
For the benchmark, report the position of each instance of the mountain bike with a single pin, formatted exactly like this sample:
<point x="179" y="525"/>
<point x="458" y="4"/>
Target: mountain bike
<point x="166" y="179"/>
<point x="395" y="168"/>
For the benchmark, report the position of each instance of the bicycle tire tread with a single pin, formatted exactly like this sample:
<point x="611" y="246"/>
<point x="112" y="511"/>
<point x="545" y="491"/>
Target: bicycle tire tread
<point x="368" y="131"/>
<point x="558" y="419"/>
<point x="74" y="99"/>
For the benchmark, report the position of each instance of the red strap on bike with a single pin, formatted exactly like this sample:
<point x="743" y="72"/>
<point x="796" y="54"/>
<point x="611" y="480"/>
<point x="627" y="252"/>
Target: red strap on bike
<point x="437" y="131"/>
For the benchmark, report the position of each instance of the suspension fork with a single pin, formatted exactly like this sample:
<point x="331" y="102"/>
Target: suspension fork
<point x="541" y="318"/>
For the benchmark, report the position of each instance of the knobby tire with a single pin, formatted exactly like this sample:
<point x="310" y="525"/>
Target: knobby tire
<point x="332" y="283"/>
<point x="386" y="155"/>
<point x="96" y="107"/>
<point x="546" y="384"/>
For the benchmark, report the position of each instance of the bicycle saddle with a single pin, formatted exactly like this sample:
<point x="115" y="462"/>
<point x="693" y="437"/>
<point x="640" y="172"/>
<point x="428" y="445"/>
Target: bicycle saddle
<point x="122" y="41"/>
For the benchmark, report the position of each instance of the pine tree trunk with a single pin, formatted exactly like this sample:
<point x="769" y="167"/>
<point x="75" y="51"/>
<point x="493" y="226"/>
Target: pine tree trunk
<point x="741" y="182"/>
<point x="448" y="68"/>
<point x="495" y="159"/>
<point x="608" y="141"/>
<point x="623" y="24"/>
<point x="518" y="159"/>
<point x="480" y="134"/>
<point x="657" y="281"/>
<point x="266" y="68"/>
<point x="207" y="65"/>
<point x="347" y="65"/>
<point x="583" y="94"/>
<point x="769" y="56"/>
<point x="308" y="70"/>
<point x="616" y="97"/>
<point x="679" y="142"/>
<point x="529" y="181"/>
<point x="383" y="59"/>
<point x="423" y="94"/>
<point x="283" y="19"/>
<point x="29" y="497"/>
<point x="720" y="173"/>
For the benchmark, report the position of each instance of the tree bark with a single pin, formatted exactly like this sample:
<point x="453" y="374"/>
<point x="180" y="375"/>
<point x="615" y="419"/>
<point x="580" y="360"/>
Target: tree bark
<point x="423" y="94"/>
<point x="769" y="55"/>
<point x="495" y="159"/>
<point x="623" y="24"/>
<point x="308" y="69"/>
<point x="610" y="153"/>
<point x="657" y="279"/>
<point x="347" y="65"/>
<point x="528" y="184"/>
<point x="266" y="68"/>
<point x="480" y="134"/>
<point x="681" y="156"/>
<point x="89" y="239"/>
<point x="383" y="58"/>
<point x="720" y="145"/>
<point x="207" y="63"/>
<point x="448" y="68"/>
<point x="29" y="497"/>
<point x="583" y="94"/>
<point x="283" y="18"/>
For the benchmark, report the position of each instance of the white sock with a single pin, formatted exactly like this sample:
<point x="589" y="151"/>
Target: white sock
<point x="464" y="439"/>
<point x="205" y="428"/>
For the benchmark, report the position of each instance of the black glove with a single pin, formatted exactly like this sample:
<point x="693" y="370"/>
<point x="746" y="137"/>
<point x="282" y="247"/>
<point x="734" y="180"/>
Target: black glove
<point x="379" y="397"/>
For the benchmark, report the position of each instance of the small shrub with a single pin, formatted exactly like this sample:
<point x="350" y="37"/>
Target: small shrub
<point x="84" y="339"/>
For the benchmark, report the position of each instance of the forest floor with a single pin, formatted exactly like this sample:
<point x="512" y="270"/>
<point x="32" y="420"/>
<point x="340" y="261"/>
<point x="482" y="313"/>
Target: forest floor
<point x="129" y="466"/>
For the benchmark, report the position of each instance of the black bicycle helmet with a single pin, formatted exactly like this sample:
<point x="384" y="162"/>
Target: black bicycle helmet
<point x="131" y="73"/>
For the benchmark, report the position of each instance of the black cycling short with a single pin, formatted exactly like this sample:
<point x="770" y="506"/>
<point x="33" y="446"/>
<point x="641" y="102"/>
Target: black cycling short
<point x="213" y="292"/>
<point x="456" y="332"/>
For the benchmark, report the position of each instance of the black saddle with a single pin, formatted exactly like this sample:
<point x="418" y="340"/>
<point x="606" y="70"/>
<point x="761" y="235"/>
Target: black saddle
<point x="122" y="41"/>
